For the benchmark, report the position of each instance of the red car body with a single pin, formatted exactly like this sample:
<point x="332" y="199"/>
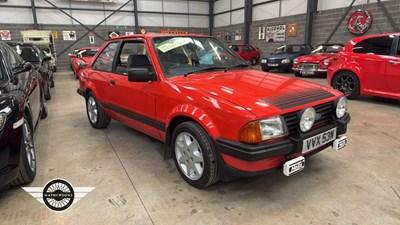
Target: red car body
<point x="247" y="52"/>
<point x="317" y="62"/>
<point x="224" y="102"/>
<point x="81" y="55"/>
<point x="368" y="65"/>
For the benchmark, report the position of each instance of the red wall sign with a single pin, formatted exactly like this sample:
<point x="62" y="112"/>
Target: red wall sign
<point x="359" y="22"/>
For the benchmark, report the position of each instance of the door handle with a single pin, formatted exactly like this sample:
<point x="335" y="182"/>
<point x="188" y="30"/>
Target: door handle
<point x="111" y="82"/>
<point x="394" y="62"/>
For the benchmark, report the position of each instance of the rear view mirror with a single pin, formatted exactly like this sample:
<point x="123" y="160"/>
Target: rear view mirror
<point x="140" y="75"/>
<point x="26" y="66"/>
<point x="82" y="64"/>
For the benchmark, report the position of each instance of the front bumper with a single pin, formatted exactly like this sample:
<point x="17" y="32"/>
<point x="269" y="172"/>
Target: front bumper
<point x="240" y="159"/>
<point x="310" y="72"/>
<point x="276" y="66"/>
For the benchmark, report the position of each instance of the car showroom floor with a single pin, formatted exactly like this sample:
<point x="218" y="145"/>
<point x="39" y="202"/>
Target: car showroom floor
<point x="134" y="185"/>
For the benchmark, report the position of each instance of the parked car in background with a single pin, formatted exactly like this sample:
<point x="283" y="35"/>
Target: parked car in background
<point x="72" y="57"/>
<point x="219" y="118"/>
<point x="247" y="52"/>
<point x="31" y="53"/>
<point x="22" y="104"/>
<point x="368" y="65"/>
<point x="45" y="41"/>
<point x="83" y="54"/>
<point x="283" y="56"/>
<point x="317" y="62"/>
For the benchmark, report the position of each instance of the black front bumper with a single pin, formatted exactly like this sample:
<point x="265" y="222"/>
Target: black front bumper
<point x="81" y="92"/>
<point x="287" y="147"/>
<point x="280" y="66"/>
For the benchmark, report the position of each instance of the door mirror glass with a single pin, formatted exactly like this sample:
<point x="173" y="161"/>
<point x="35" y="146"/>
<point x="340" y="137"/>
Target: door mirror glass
<point x="26" y="66"/>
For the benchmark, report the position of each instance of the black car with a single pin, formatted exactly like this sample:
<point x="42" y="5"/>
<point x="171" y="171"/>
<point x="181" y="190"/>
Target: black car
<point x="22" y="105"/>
<point x="33" y="54"/>
<point x="282" y="58"/>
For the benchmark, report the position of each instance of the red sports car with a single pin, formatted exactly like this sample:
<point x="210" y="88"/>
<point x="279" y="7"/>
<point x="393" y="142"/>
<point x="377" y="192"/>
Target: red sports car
<point x="317" y="62"/>
<point x="247" y="52"/>
<point x="82" y="54"/>
<point x="368" y="65"/>
<point x="219" y="119"/>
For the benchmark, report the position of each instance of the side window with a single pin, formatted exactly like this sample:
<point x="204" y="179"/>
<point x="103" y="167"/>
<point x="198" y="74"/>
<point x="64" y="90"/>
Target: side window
<point x="377" y="46"/>
<point x="13" y="58"/>
<point x="133" y="54"/>
<point x="246" y="49"/>
<point x="104" y="61"/>
<point x="398" y="48"/>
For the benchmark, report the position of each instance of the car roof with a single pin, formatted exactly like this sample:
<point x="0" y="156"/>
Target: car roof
<point x="149" y="36"/>
<point x="84" y="48"/>
<point x="358" y="39"/>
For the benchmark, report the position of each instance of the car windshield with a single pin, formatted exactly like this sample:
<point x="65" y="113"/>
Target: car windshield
<point x="29" y="54"/>
<point x="287" y="49"/>
<point x="87" y="52"/>
<point x="327" y="49"/>
<point x="187" y="55"/>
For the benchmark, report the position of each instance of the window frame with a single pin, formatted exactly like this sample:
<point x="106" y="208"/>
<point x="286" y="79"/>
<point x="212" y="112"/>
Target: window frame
<point x="391" y="51"/>
<point x="113" y="62"/>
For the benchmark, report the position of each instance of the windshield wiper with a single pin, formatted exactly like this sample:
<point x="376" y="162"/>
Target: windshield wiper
<point x="238" y="66"/>
<point x="207" y="69"/>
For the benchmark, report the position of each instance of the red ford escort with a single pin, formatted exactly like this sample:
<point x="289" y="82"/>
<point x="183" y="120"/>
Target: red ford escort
<point x="219" y="119"/>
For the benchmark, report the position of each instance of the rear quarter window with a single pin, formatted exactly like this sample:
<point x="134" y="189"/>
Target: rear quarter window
<point x="377" y="46"/>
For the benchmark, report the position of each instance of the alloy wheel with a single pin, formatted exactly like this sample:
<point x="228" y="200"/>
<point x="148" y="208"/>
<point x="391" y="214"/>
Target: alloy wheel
<point x="189" y="156"/>
<point x="346" y="85"/>
<point x="92" y="109"/>
<point x="29" y="147"/>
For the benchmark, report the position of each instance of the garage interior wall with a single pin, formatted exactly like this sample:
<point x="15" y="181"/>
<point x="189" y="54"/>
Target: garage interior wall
<point x="190" y="15"/>
<point x="294" y="12"/>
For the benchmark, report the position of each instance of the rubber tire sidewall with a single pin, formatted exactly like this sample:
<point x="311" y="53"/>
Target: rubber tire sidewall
<point x="210" y="173"/>
<point x="103" y="120"/>
<point x="356" y="91"/>
<point x="26" y="175"/>
<point x="254" y="61"/>
<point x="297" y="74"/>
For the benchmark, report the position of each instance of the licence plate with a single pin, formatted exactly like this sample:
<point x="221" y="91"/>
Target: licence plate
<point x="273" y="64"/>
<point x="307" y="72"/>
<point x="319" y="140"/>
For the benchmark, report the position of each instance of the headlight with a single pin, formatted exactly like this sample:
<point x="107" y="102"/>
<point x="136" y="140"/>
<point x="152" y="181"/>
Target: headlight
<point x="326" y="62"/>
<point x="295" y="61"/>
<point x="286" y="61"/>
<point x="262" y="130"/>
<point x="307" y="119"/>
<point x="3" y="117"/>
<point x="263" y="61"/>
<point x="341" y="107"/>
<point x="272" y="128"/>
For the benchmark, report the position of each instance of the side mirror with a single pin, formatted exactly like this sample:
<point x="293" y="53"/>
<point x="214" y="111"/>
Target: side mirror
<point x="26" y="66"/>
<point x="140" y="75"/>
<point x="47" y="58"/>
<point x="82" y="64"/>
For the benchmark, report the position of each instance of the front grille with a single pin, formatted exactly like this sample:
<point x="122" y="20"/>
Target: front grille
<point x="308" y="66"/>
<point x="274" y="60"/>
<point x="325" y="110"/>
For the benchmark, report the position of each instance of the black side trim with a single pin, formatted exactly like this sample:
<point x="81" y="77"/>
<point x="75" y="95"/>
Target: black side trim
<point x="80" y="92"/>
<point x="135" y="116"/>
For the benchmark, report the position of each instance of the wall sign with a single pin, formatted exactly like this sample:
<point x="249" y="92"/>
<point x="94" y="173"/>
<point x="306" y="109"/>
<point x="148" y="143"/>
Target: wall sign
<point x="113" y="34"/>
<point x="55" y="35"/>
<point x="69" y="35"/>
<point x="5" y="35"/>
<point x="261" y="33"/>
<point x="228" y="37"/>
<point x="174" y="32"/>
<point x="359" y="22"/>
<point x="276" y="33"/>
<point x="91" y="38"/>
<point x="238" y="35"/>
<point x="292" y="30"/>
<point x="219" y="35"/>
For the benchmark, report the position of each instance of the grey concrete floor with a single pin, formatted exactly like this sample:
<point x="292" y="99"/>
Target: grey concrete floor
<point x="134" y="185"/>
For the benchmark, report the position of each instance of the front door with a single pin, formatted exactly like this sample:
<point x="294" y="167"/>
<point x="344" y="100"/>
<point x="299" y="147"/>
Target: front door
<point x="134" y="101"/>
<point x="393" y="70"/>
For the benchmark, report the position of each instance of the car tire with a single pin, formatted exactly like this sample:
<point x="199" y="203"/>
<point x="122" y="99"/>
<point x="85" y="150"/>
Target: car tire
<point x="254" y="61"/>
<point x="27" y="167"/>
<point x="297" y="74"/>
<point x="47" y="93"/>
<point x="348" y="83"/>
<point x="54" y="68"/>
<point x="52" y="81"/>
<point x="201" y="158"/>
<point x="97" y="117"/>
<point x="44" y="110"/>
<point x="265" y="70"/>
